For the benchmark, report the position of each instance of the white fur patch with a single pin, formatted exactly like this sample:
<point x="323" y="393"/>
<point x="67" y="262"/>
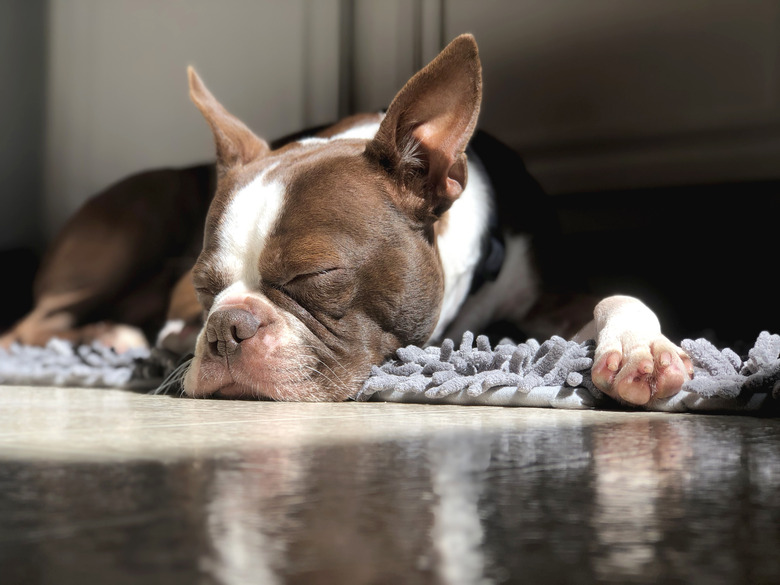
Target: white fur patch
<point x="361" y="132"/>
<point x="364" y="131"/>
<point x="171" y="327"/>
<point x="460" y="243"/>
<point x="246" y="224"/>
<point x="508" y="298"/>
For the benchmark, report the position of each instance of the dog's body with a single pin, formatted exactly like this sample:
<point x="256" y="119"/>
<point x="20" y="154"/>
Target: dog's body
<point x="322" y="257"/>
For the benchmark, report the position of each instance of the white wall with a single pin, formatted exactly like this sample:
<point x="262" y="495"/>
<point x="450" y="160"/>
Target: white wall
<point x="22" y="59"/>
<point x="597" y="94"/>
<point x="117" y="88"/>
<point x="615" y="93"/>
<point x="605" y="93"/>
<point x="393" y="40"/>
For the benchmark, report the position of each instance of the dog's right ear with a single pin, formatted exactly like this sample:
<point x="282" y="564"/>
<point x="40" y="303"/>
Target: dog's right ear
<point x="236" y="144"/>
<point x="428" y="125"/>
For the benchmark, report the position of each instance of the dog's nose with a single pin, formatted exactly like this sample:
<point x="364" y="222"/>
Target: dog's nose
<point x="227" y="328"/>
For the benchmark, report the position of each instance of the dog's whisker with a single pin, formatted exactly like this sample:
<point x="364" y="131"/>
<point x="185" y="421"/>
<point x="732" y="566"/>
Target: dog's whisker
<point x="174" y="379"/>
<point x="341" y="384"/>
<point x="335" y="361"/>
<point x="332" y="371"/>
<point x="338" y="383"/>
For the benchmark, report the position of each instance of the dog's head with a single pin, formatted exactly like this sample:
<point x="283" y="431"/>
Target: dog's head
<point x="320" y="258"/>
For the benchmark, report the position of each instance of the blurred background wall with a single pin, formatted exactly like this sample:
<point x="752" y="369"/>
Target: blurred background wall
<point x="604" y="95"/>
<point x="23" y="57"/>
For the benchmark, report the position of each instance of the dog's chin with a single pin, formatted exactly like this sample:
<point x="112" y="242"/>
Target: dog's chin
<point x="208" y="379"/>
<point x="275" y="393"/>
<point x="299" y="392"/>
<point x="235" y="391"/>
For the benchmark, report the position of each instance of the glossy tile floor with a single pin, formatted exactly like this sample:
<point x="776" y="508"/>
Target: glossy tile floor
<point x="102" y="486"/>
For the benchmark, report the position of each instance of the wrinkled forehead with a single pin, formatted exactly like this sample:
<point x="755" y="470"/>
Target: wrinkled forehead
<point x="311" y="199"/>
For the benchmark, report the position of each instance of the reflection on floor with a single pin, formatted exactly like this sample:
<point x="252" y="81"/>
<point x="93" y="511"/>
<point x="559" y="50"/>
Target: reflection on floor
<point x="101" y="486"/>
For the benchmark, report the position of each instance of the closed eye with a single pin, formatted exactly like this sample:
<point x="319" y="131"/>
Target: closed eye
<point x="327" y="291"/>
<point x="309" y="275"/>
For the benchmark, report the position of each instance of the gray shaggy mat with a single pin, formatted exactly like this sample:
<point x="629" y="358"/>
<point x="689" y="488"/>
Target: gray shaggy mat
<point x="555" y="373"/>
<point x="60" y="363"/>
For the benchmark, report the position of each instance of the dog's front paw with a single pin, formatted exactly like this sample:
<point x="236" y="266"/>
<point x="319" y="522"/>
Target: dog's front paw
<point x="121" y="338"/>
<point x="635" y="371"/>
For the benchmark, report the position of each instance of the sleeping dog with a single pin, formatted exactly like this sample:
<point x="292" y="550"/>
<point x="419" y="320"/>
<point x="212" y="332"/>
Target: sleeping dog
<point x="321" y="257"/>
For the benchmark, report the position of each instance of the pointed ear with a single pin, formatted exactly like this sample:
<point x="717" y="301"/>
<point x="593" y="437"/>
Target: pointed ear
<point x="429" y="123"/>
<point x="236" y="144"/>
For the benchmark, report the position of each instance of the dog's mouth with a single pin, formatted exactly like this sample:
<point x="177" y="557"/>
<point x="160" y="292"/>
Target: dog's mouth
<point x="298" y="392"/>
<point x="282" y="361"/>
<point x="238" y="392"/>
<point x="305" y="379"/>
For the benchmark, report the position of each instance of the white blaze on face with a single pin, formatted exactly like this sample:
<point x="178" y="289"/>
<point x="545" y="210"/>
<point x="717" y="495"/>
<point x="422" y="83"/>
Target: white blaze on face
<point x="242" y="234"/>
<point x="244" y="230"/>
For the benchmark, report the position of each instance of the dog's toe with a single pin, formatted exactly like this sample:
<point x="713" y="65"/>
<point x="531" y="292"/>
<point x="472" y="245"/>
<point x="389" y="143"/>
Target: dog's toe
<point x="120" y="337"/>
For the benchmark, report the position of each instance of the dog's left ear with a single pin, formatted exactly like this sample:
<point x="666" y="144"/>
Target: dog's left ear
<point x="429" y="123"/>
<point x="236" y="144"/>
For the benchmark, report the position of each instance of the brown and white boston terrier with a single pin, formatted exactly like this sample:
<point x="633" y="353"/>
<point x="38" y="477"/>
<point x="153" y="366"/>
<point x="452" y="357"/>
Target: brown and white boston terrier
<point x="320" y="258"/>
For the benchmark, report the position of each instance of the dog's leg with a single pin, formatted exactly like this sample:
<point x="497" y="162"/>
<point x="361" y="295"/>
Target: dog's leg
<point x="108" y="274"/>
<point x="183" y="320"/>
<point x="634" y="361"/>
<point x="53" y="317"/>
